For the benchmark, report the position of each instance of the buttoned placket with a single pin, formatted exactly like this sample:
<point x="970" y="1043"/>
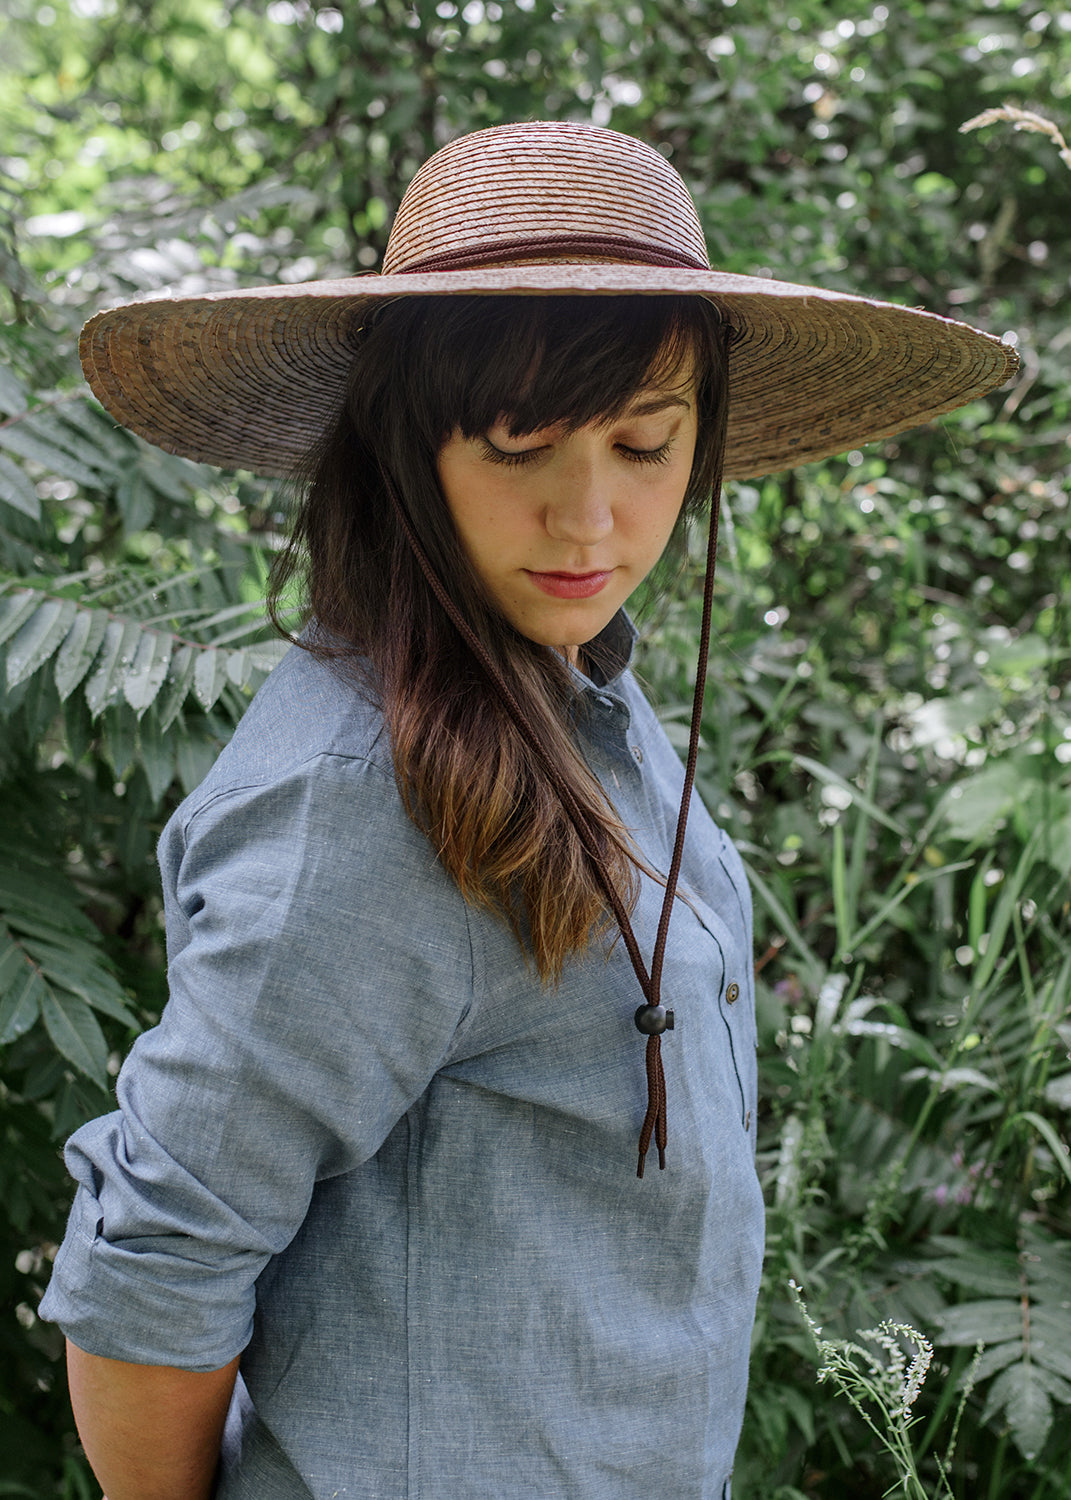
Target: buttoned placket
<point x="604" y="722"/>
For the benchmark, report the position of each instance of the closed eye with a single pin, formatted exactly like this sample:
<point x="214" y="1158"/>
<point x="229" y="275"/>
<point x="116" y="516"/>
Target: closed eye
<point x="512" y="459"/>
<point x="659" y="455"/>
<point x="517" y="458"/>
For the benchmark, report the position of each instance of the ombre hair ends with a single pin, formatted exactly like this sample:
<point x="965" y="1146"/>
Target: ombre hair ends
<point x="424" y="368"/>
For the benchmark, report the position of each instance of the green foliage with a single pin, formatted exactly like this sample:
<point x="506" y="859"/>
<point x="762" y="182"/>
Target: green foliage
<point x="888" y="730"/>
<point x="889" y="755"/>
<point x="1021" y="1318"/>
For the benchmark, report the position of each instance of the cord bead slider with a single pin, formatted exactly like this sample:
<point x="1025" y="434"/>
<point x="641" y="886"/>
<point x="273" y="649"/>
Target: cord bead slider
<point x="652" y="1020"/>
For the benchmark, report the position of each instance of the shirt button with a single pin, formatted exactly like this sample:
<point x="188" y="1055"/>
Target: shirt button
<point x="638" y="753"/>
<point x="732" y="994"/>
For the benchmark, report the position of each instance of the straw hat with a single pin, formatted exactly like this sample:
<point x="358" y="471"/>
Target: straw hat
<point x="250" y="379"/>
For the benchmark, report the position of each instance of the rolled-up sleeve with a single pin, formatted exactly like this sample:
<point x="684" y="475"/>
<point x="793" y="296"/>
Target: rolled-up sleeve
<point x="319" y="966"/>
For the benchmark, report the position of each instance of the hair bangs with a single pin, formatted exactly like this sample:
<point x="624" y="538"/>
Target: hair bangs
<point x="465" y="364"/>
<point x="566" y="361"/>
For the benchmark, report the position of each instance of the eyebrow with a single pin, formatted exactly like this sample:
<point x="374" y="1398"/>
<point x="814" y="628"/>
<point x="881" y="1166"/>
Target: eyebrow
<point x="657" y="401"/>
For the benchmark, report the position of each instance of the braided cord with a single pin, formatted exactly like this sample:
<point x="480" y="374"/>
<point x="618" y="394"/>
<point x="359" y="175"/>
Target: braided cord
<point x="650" y="982"/>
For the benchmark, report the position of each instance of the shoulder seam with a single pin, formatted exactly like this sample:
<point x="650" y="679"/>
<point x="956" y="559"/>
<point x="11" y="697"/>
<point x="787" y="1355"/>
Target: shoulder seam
<point x="276" y="778"/>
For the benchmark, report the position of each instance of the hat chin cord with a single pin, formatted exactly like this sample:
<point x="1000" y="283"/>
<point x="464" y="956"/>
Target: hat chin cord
<point x="651" y="1018"/>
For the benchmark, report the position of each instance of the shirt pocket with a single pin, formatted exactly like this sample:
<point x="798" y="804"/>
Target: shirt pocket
<point x="708" y="984"/>
<point x="730" y="1021"/>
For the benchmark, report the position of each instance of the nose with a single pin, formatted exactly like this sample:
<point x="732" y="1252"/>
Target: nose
<point x="579" y="510"/>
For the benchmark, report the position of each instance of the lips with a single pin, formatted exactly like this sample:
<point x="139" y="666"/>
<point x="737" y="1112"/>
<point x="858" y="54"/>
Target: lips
<point x="571" y="585"/>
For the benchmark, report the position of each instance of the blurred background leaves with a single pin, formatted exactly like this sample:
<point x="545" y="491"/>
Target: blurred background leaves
<point x="888" y="729"/>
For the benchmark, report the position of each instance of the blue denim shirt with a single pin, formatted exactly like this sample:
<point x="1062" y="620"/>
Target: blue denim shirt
<point x="368" y="1149"/>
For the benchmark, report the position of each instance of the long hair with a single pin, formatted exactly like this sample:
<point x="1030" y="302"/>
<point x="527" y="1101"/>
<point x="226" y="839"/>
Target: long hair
<point x="427" y="367"/>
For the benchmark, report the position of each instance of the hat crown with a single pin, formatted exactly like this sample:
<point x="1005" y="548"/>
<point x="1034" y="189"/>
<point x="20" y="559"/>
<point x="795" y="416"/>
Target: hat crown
<point x="544" y="192"/>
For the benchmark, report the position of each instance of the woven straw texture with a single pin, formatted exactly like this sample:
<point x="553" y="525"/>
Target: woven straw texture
<point x="251" y="379"/>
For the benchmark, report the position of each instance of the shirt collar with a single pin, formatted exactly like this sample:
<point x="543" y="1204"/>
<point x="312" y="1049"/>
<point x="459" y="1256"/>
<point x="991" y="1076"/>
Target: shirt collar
<point x="608" y="655"/>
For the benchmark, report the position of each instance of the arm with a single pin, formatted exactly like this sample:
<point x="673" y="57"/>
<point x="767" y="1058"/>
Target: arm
<point x="297" y="988"/>
<point x="150" y="1432"/>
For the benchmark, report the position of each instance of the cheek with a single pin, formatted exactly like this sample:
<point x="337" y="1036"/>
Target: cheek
<point x="488" y="526"/>
<point x="465" y="499"/>
<point x="660" y="514"/>
<point x="484" y="518"/>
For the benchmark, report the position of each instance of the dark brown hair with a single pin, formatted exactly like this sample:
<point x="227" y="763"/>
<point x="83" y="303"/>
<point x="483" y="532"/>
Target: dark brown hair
<point x="426" y="367"/>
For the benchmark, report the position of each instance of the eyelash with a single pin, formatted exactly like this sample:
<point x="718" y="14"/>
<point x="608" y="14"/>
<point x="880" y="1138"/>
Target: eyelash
<point x="659" y="455"/>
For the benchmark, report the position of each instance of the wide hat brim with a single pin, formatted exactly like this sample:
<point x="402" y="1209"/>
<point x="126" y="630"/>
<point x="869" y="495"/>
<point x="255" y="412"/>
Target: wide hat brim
<point x="251" y="379"/>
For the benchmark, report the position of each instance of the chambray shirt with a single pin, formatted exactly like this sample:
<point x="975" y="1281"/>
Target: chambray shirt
<point x="366" y="1147"/>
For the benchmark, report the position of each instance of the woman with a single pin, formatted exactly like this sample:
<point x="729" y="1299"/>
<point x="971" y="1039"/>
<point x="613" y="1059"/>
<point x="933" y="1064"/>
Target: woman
<point x="378" y="1149"/>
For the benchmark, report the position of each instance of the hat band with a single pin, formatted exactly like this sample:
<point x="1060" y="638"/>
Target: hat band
<point x="564" y="246"/>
